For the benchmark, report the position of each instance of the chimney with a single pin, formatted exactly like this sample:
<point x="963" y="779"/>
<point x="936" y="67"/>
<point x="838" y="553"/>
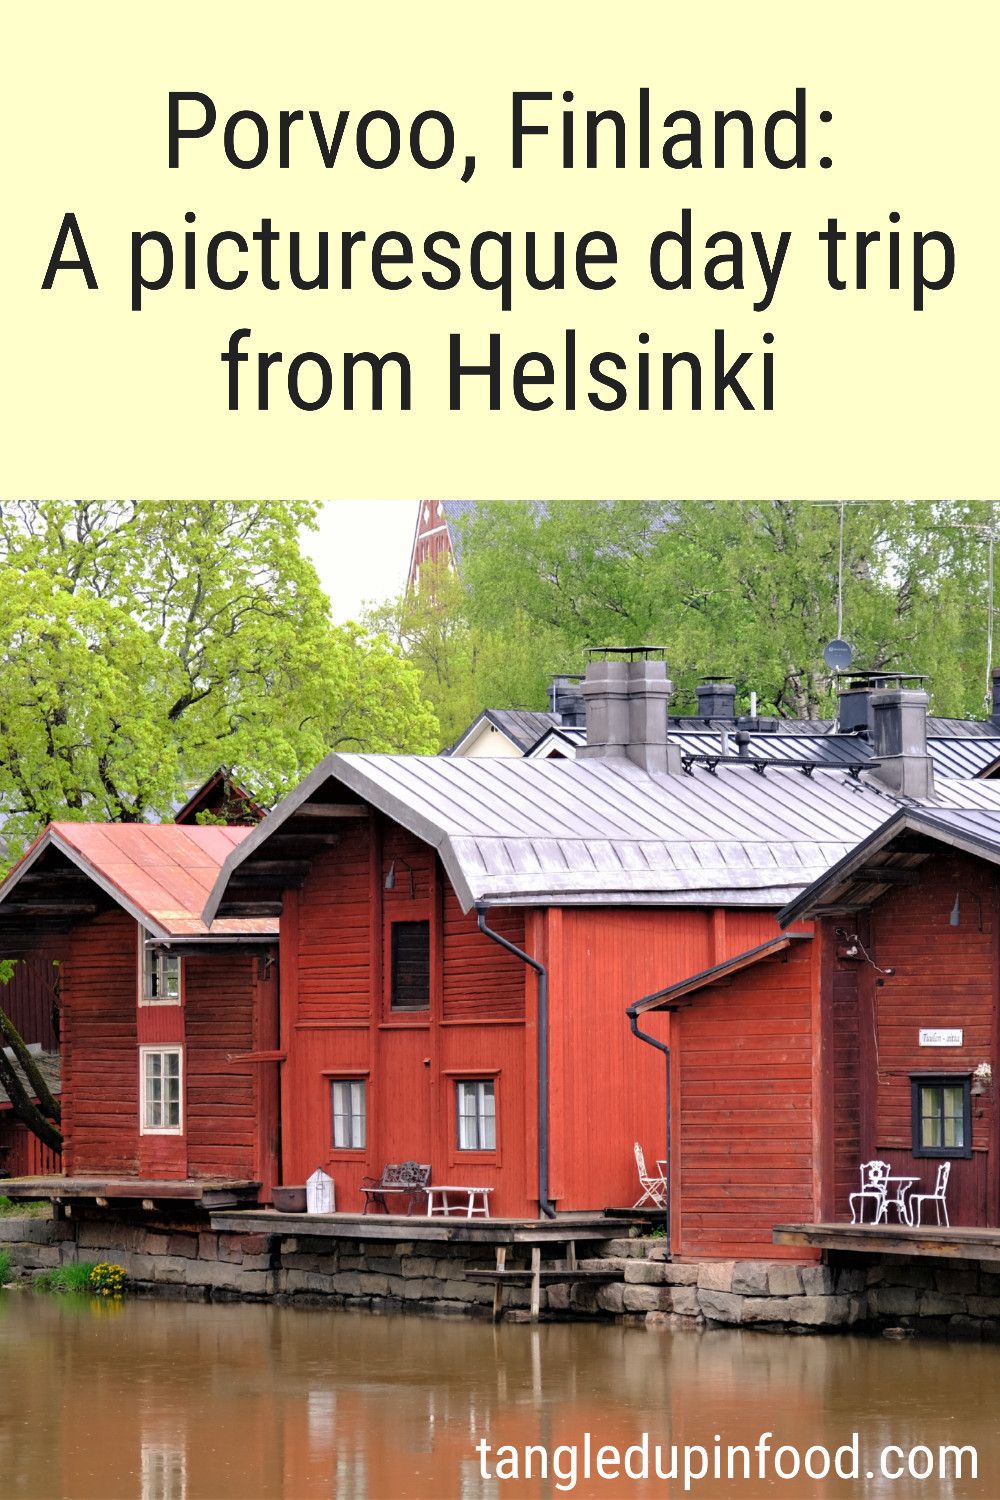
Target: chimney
<point x="566" y="698"/>
<point x="716" y="698"/>
<point x="627" y="710"/>
<point x="854" y="701"/>
<point x="995" y="697"/>
<point x="899" y="738"/>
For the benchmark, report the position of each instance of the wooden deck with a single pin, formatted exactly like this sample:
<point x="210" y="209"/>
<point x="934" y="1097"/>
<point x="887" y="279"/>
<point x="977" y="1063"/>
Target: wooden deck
<point x="207" y="1193"/>
<point x="960" y="1242"/>
<point x="561" y="1231"/>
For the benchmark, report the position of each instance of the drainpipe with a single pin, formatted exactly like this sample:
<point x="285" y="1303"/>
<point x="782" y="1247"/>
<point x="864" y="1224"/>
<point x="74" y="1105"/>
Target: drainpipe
<point x="660" y="1047"/>
<point x="547" y="1208"/>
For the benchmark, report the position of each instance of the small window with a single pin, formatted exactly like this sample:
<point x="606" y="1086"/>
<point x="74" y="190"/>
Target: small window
<point x="161" y="974"/>
<point x="477" y="1114"/>
<point x="411" y="966"/>
<point x="942" y="1115"/>
<point x="348" y="1114"/>
<point x="160" y="1079"/>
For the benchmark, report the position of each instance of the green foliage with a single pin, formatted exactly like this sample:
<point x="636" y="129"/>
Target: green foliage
<point x="74" y="1277"/>
<point x="147" y="643"/>
<point x="6" y="1267"/>
<point x="11" y="1209"/>
<point x="748" y="589"/>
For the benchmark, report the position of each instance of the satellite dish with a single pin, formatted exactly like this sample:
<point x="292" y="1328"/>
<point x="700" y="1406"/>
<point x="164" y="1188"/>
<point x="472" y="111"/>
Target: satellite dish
<point x="838" y="655"/>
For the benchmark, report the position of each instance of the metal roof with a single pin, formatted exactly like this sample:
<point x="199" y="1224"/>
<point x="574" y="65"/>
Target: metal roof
<point x="161" y="873"/>
<point x="538" y="832"/>
<point x="890" y="853"/>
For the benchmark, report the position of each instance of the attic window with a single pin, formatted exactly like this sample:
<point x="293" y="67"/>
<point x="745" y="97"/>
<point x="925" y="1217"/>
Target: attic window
<point x="160" y="974"/>
<point x="411" y="966"/>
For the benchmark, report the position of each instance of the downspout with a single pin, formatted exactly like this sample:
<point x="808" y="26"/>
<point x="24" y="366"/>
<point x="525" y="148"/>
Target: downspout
<point x="660" y="1047"/>
<point x="547" y="1208"/>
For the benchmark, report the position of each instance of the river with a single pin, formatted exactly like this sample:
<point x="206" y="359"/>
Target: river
<point x="158" y="1400"/>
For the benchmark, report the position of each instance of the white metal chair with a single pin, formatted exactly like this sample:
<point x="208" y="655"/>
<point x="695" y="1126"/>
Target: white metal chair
<point x="654" y="1188"/>
<point x="874" y="1184"/>
<point x="917" y="1200"/>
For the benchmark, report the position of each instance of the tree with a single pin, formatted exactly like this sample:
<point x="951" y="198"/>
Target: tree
<point x="30" y="1097"/>
<point x="146" y="643"/>
<point x="462" y="666"/>
<point x="748" y="589"/>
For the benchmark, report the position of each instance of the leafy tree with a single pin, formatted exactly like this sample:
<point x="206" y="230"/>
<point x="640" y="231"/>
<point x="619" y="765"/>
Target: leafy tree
<point x="146" y="643"/>
<point x="462" y="666"/>
<point x="743" y="588"/>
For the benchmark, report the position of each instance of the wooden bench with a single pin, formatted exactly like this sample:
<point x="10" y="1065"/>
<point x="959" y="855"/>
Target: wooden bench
<point x="398" y="1178"/>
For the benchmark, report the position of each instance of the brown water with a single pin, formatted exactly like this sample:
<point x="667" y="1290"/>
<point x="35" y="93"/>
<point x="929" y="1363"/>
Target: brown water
<point x="174" y="1401"/>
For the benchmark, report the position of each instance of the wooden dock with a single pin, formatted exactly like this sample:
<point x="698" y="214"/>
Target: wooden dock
<point x="961" y="1242"/>
<point x="457" y="1230"/>
<point x="145" y="1192"/>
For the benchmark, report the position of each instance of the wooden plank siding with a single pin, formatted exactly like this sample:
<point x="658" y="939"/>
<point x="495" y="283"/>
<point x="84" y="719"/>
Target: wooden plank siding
<point x="337" y="1020"/>
<point x="100" y="1047"/>
<point x="944" y="977"/>
<point x="744" y="1152"/>
<point x="221" y="1100"/>
<point x="608" y="1089"/>
<point x="224" y="1115"/>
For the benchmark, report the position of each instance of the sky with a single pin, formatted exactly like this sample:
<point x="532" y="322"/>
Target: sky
<point x="362" y="551"/>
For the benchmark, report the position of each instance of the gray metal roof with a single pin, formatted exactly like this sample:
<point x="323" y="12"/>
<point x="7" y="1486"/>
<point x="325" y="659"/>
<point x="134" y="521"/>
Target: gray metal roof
<point x="891" y="852"/>
<point x="537" y="832"/>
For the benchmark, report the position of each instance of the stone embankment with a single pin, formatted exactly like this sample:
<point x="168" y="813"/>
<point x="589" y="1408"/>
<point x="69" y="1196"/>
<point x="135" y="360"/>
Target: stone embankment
<point x="174" y="1258"/>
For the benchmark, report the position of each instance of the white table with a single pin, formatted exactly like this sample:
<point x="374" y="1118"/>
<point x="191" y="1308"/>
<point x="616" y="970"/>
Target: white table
<point x="472" y="1208"/>
<point x="898" y="1200"/>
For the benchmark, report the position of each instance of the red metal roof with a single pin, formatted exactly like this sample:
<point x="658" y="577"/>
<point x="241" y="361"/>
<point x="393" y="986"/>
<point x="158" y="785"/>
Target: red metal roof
<point x="163" y="872"/>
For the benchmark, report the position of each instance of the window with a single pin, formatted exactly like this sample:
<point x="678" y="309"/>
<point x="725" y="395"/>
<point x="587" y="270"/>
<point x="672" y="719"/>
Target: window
<point x="160" y="974"/>
<point x="411" y="966"/>
<point x="348" y="1114"/>
<point x="160" y="1089"/>
<point x="942" y="1115"/>
<point x="477" y="1114"/>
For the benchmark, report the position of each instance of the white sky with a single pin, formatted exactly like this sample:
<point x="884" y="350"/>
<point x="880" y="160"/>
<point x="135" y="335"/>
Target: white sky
<point x="362" y="551"/>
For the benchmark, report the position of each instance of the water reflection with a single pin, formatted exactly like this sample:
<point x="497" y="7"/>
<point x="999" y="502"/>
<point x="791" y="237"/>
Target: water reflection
<point x="171" y="1401"/>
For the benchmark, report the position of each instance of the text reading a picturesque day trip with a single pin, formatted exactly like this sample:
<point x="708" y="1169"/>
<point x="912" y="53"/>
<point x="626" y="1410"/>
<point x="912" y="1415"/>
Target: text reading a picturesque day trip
<point x="481" y="365"/>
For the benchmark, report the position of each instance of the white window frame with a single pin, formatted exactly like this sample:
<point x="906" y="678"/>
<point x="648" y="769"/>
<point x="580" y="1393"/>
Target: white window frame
<point x="351" y="1115"/>
<point x="165" y="1051"/>
<point x="484" y="1120"/>
<point x="154" y="961"/>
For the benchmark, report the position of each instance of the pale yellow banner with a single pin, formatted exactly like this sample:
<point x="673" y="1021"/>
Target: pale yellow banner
<point x="152" y="384"/>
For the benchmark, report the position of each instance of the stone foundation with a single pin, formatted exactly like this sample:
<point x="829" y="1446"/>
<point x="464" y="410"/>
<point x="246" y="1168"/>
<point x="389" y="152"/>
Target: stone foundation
<point x="187" y="1259"/>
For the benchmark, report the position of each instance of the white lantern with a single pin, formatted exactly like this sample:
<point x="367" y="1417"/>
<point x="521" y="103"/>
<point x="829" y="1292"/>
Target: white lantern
<point x="319" y="1193"/>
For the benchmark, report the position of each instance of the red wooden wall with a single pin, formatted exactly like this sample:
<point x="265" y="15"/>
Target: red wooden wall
<point x="230" y="1103"/>
<point x="30" y="997"/>
<point x="944" y="977"/>
<point x="337" y="1021"/>
<point x="608" y="1089"/>
<point x="747" y="1148"/>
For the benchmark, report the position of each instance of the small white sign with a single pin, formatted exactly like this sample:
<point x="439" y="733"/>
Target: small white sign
<point x="940" y="1037"/>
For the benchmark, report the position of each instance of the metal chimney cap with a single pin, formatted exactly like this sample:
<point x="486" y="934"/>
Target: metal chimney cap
<point x="632" y="653"/>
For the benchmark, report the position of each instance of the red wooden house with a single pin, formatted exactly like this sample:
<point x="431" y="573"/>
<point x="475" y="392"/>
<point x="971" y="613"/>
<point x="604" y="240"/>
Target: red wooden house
<point x="161" y="1014"/>
<point x="409" y="1032"/>
<point x="867" y="1030"/>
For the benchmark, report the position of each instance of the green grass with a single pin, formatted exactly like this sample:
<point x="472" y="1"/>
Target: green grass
<point x="9" y="1209"/>
<point x="6" y="1267"/>
<point x="70" y="1278"/>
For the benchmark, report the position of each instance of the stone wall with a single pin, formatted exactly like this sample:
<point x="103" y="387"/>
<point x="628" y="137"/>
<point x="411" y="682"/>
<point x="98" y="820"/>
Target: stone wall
<point x="186" y="1259"/>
